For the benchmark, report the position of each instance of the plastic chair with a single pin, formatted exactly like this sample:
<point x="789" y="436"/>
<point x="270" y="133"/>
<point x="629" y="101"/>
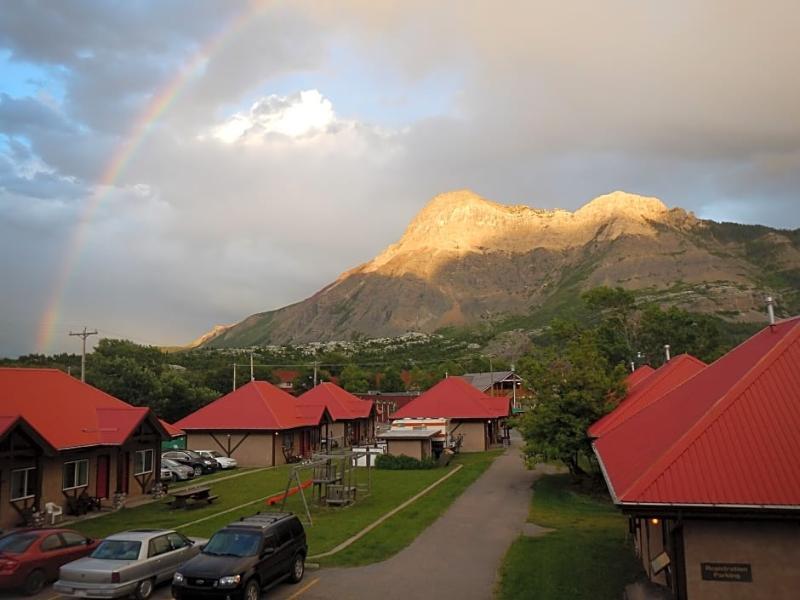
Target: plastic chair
<point x="54" y="510"/>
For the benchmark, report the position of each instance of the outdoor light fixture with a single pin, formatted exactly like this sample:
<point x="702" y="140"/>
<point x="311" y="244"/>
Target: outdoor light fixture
<point x="654" y="521"/>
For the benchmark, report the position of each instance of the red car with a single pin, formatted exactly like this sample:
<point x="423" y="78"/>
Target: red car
<point x="29" y="558"/>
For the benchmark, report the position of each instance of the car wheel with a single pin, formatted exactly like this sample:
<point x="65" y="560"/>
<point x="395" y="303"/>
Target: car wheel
<point x="34" y="582"/>
<point x="252" y="590"/>
<point x="198" y="470"/>
<point x="144" y="590"/>
<point x="298" y="568"/>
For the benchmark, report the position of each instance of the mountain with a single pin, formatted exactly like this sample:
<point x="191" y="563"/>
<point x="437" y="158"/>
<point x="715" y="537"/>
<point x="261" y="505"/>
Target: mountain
<point x="466" y="260"/>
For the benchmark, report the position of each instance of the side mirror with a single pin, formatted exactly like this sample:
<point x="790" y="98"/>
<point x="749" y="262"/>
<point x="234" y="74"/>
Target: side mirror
<point x="267" y="552"/>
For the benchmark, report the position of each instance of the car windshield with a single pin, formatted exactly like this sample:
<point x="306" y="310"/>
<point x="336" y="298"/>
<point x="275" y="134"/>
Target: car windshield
<point x="214" y="454"/>
<point x="17" y="543"/>
<point x="233" y="543"/>
<point x="117" y="550"/>
<point x="192" y="454"/>
<point x="170" y="463"/>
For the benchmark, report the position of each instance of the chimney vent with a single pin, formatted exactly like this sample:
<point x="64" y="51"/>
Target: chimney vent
<point x="771" y="310"/>
<point x="666" y="352"/>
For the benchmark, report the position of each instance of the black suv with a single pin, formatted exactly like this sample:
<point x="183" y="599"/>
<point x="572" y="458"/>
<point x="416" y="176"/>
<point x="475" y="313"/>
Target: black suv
<point x="243" y="558"/>
<point x="190" y="458"/>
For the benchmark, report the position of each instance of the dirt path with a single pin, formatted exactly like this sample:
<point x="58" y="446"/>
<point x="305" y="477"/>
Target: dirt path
<point x="456" y="557"/>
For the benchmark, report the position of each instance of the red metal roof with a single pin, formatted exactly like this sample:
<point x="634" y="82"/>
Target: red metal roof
<point x="639" y="375"/>
<point x="646" y="390"/>
<point x="727" y="436"/>
<point x="65" y="412"/>
<point x="341" y="404"/>
<point x="258" y="405"/>
<point x="454" y="398"/>
<point x="171" y="429"/>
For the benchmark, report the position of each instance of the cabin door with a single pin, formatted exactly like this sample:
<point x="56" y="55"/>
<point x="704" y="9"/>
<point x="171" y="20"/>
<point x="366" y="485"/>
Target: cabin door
<point x="102" y="480"/>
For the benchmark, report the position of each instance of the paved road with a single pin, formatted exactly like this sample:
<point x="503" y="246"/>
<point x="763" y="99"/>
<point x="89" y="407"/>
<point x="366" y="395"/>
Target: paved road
<point x="456" y="557"/>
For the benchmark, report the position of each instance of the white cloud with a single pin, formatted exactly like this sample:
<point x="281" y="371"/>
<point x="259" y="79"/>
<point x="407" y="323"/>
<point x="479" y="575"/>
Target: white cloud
<point x="299" y="115"/>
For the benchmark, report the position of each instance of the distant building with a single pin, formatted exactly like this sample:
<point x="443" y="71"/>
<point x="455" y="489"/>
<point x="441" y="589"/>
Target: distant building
<point x="258" y="425"/>
<point x="498" y="383"/>
<point x="388" y="402"/>
<point x="64" y="441"/>
<point x="353" y="419"/>
<point x="704" y="461"/>
<point x="477" y="419"/>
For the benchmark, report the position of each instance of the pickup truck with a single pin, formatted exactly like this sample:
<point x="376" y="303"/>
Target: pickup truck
<point x="125" y="564"/>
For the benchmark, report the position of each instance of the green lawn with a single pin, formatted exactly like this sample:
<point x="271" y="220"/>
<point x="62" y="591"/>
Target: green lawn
<point x="331" y="525"/>
<point x="210" y="477"/>
<point x="587" y="557"/>
<point x="231" y="492"/>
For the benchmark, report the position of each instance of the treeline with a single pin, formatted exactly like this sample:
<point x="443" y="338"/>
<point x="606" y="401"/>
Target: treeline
<point x="617" y="333"/>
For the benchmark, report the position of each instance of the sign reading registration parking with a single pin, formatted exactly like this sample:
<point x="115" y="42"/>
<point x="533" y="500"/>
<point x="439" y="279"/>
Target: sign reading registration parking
<point x="726" y="572"/>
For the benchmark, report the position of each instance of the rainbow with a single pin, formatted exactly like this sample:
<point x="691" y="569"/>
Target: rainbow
<point x="157" y="106"/>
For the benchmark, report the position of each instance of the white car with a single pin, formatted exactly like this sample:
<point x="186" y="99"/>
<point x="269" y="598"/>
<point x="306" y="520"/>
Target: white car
<point x="224" y="462"/>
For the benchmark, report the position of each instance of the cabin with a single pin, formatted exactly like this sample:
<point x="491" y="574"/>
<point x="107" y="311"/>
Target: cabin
<point x="475" y="421"/>
<point x="67" y="443"/>
<point x="499" y="383"/>
<point x="259" y="425"/>
<point x="703" y="460"/>
<point x="352" y="419"/>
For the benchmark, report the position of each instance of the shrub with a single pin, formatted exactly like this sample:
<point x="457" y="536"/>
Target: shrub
<point x="402" y="462"/>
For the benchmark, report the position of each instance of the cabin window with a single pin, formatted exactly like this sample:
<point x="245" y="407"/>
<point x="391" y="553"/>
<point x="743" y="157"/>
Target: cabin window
<point x="143" y="463"/>
<point x="76" y="474"/>
<point x="23" y="483"/>
<point x="288" y="439"/>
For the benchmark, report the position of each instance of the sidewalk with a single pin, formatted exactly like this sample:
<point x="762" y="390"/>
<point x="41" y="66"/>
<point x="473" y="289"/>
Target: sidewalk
<point x="456" y="557"/>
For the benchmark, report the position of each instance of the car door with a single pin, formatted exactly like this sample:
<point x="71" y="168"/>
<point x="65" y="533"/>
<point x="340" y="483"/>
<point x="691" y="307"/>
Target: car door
<point x="181" y="550"/>
<point x="283" y="548"/>
<point x="158" y="558"/>
<point x="267" y="566"/>
<point x="75" y="547"/>
<point x="52" y="551"/>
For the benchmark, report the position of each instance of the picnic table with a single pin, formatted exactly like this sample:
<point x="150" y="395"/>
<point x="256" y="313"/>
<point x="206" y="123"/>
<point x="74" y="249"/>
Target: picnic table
<point x="189" y="497"/>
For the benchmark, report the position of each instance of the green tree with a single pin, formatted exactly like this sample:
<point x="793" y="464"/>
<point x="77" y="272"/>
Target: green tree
<point x="354" y="379"/>
<point x="575" y="386"/>
<point x="421" y="379"/>
<point x="390" y="380"/>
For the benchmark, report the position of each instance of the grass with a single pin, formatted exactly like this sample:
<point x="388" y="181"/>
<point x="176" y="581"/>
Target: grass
<point x="587" y="557"/>
<point x="231" y="492"/>
<point x="331" y="525"/>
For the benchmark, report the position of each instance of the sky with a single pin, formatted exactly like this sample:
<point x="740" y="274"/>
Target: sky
<point x="169" y="166"/>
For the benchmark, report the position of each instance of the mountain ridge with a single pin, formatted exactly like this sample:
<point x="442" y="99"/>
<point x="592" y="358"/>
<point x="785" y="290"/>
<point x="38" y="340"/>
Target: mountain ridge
<point x="464" y="259"/>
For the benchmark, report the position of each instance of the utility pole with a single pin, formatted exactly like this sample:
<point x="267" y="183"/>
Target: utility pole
<point x="315" y="373"/>
<point x="514" y="383"/>
<point x="234" y="375"/>
<point x="252" y="375"/>
<point x="491" y="372"/>
<point x="83" y="334"/>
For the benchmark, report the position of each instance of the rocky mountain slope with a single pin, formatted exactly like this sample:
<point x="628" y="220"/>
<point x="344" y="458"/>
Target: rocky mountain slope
<point x="465" y="259"/>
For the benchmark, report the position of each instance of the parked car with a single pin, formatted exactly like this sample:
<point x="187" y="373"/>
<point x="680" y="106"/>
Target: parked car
<point x="178" y="471"/>
<point x="225" y="462"/>
<point x="190" y="458"/>
<point x="129" y="563"/>
<point x="166" y="474"/>
<point x="244" y="557"/>
<point x="29" y="558"/>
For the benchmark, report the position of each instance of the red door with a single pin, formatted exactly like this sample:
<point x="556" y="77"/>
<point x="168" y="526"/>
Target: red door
<point x="101" y="483"/>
